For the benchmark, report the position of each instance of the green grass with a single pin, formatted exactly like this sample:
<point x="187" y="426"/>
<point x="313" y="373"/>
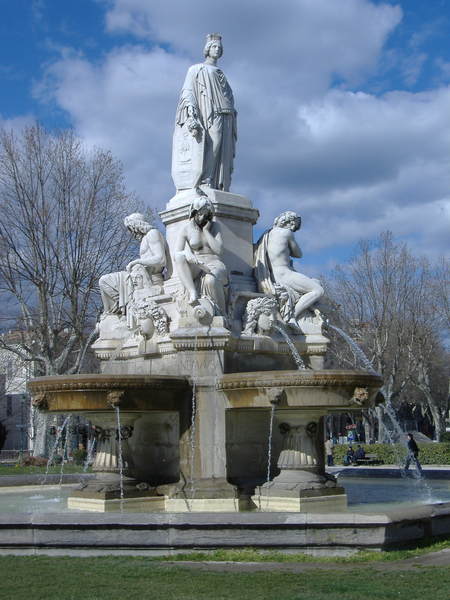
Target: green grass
<point x="138" y="578"/>
<point x="18" y="470"/>
<point x="364" y="556"/>
<point x="98" y="578"/>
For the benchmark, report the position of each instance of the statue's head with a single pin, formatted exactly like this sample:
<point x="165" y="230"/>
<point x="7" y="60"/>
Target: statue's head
<point x="213" y="46"/>
<point x="137" y="225"/>
<point x="260" y="316"/>
<point x="201" y="210"/>
<point x="288" y="220"/>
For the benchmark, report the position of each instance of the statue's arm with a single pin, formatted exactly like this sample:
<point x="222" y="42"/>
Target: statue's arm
<point x="213" y="237"/>
<point x="155" y="253"/>
<point x="294" y="248"/>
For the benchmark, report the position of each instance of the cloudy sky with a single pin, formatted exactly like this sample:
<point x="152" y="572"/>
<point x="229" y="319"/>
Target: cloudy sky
<point x="344" y="105"/>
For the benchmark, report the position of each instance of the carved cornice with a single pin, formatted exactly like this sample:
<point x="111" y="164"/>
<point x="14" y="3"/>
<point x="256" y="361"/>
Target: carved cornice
<point x="286" y="379"/>
<point x="102" y="382"/>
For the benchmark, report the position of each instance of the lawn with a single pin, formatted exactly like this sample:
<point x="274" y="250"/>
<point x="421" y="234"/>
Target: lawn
<point x="64" y="578"/>
<point x="31" y="470"/>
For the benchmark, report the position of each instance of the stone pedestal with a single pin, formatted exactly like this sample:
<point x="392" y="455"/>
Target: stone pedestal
<point x="103" y="494"/>
<point x="203" y="484"/>
<point x="302" y="484"/>
<point x="236" y="216"/>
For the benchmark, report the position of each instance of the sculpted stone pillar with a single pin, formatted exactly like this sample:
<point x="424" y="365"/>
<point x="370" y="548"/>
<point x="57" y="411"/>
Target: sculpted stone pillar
<point x="302" y="482"/>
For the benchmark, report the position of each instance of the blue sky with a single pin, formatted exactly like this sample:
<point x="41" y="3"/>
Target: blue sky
<point x="343" y="104"/>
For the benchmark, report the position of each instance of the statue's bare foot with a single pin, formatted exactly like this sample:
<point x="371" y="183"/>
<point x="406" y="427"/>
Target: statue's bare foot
<point x="193" y="299"/>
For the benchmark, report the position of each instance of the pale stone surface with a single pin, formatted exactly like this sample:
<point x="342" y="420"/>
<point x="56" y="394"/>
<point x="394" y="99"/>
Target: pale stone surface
<point x="319" y="504"/>
<point x="149" y="504"/>
<point x="260" y="316"/>
<point x="274" y="271"/>
<point x="130" y="297"/>
<point x="197" y="257"/>
<point x="205" y="125"/>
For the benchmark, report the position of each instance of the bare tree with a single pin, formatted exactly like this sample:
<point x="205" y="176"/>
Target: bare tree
<point x="61" y="228"/>
<point x="384" y="299"/>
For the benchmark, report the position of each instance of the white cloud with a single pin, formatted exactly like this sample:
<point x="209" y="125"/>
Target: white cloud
<point x="351" y="163"/>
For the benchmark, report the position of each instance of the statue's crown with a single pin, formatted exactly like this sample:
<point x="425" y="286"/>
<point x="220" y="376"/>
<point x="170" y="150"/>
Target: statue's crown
<point x="211" y="37"/>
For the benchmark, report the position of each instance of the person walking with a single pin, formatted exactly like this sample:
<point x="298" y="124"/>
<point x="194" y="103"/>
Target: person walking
<point x="413" y="454"/>
<point x="329" y="451"/>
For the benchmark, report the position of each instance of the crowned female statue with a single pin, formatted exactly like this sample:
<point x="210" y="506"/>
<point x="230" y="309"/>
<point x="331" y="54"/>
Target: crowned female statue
<point x="205" y="125"/>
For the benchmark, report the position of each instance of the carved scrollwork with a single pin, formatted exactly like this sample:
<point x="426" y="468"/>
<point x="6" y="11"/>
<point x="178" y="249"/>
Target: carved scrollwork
<point x="311" y="429"/>
<point x="115" y="397"/>
<point x="126" y="431"/>
<point x="40" y="400"/>
<point x="360" y="395"/>
<point x="274" y="394"/>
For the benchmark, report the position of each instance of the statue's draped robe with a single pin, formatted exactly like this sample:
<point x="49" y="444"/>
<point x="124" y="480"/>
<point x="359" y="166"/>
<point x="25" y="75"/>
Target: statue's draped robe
<point x="206" y="91"/>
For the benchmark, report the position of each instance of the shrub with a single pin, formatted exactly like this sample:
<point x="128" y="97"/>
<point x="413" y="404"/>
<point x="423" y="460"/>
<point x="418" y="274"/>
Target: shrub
<point x="79" y="456"/>
<point x="33" y="461"/>
<point x="392" y="454"/>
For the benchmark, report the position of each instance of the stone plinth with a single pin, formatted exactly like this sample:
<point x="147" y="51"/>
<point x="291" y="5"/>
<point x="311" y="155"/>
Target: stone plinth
<point x="236" y="216"/>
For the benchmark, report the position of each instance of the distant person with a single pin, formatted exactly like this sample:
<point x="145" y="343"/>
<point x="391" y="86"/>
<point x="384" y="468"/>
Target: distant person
<point x="349" y="458"/>
<point x="360" y="453"/>
<point x="413" y="454"/>
<point x="329" y="451"/>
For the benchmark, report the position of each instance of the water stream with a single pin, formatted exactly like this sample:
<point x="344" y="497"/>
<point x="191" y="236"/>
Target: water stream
<point x="59" y="431"/>
<point x="89" y="454"/>
<point x="120" y="457"/>
<point x="64" y="452"/>
<point x="192" y="432"/>
<point x="295" y="355"/>
<point x="269" y="452"/>
<point x="357" y="351"/>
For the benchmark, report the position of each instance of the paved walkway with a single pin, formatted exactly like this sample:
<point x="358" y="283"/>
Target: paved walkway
<point x="433" y="559"/>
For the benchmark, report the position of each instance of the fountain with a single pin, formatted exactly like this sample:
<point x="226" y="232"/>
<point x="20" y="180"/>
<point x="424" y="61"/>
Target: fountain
<point x="199" y="401"/>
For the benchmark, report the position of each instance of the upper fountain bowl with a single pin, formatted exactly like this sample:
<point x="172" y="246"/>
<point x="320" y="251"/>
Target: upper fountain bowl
<point x="328" y="389"/>
<point x="102" y="392"/>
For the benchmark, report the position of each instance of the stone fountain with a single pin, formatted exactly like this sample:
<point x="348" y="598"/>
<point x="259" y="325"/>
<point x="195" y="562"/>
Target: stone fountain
<point x="197" y="344"/>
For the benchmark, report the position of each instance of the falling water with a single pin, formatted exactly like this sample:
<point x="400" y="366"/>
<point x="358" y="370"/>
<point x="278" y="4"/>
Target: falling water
<point x="89" y="455"/>
<point x="295" y="355"/>
<point x="59" y="431"/>
<point x="387" y="406"/>
<point x="269" y="444"/>
<point x="357" y="351"/>
<point x="120" y="457"/>
<point x="64" y="452"/>
<point x="193" y="419"/>
<point x="419" y="481"/>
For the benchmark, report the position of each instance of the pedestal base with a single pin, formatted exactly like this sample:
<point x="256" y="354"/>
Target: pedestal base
<point x="202" y="505"/>
<point x="326" y="500"/>
<point x="104" y="505"/>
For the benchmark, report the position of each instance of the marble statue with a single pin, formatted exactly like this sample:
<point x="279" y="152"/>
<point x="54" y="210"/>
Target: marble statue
<point x="260" y="315"/>
<point x="196" y="256"/>
<point x="143" y="276"/>
<point x="275" y="273"/>
<point x="205" y="125"/>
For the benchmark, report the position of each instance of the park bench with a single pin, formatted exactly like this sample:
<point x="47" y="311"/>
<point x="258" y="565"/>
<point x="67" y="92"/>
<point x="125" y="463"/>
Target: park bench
<point x="369" y="459"/>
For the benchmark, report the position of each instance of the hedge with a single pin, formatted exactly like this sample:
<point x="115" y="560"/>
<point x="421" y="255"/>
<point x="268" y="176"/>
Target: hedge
<point x="392" y="454"/>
